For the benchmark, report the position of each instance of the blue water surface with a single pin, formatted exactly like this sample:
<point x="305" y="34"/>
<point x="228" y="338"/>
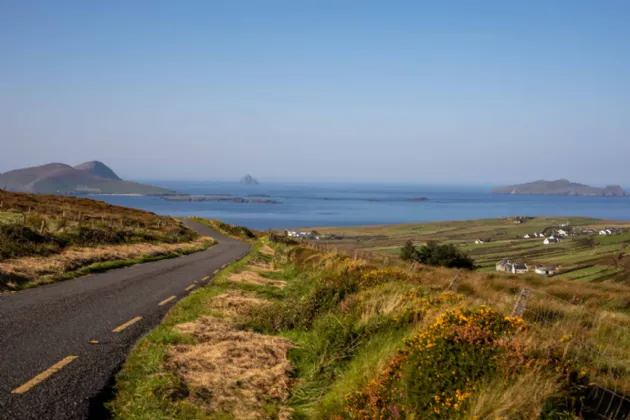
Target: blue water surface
<point x="310" y="205"/>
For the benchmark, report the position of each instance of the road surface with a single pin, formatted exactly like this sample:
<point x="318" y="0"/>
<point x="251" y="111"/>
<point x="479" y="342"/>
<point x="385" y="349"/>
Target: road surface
<point x="61" y="344"/>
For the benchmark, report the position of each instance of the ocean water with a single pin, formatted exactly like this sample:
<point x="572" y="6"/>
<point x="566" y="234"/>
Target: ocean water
<point x="311" y="205"/>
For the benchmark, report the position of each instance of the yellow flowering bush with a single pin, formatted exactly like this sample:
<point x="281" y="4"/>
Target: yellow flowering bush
<point x="437" y="371"/>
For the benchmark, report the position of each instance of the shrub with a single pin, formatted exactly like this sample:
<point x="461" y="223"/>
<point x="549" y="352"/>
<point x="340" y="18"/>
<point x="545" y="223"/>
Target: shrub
<point x="436" y="254"/>
<point x="438" y="370"/>
<point x="19" y="240"/>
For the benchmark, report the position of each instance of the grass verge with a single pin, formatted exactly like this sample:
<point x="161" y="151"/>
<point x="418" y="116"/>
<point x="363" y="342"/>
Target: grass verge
<point x="370" y="341"/>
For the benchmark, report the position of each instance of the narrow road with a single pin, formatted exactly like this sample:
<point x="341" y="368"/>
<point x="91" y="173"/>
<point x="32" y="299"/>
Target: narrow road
<point x="60" y="344"/>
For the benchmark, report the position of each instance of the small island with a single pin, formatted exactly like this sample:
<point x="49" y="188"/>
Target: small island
<point x="219" y="199"/>
<point x="419" y="199"/>
<point x="561" y="187"/>
<point x="249" y="180"/>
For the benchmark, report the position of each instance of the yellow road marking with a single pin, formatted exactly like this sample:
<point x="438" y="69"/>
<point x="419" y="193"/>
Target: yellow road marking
<point x="205" y="278"/>
<point x="126" y="324"/>
<point x="165" y="301"/>
<point x="44" y="375"/>
<point x="224" y="265"/>
<point x="192" y="286"/>
<point x="93" y="341"/>
<point x="215" y="271"/>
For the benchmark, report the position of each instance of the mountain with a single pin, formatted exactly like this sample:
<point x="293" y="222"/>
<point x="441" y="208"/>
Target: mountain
<point x="97" y="168"/>
<point x="561" y="187"/>
<point x="249" y="180"/>
<point x="88" y="178"/>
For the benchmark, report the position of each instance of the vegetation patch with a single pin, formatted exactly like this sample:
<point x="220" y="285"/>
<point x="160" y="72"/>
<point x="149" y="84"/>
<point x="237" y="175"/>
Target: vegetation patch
<point x="350" y="338"/>
<point x="27" y="272"/>
<point x="251" y="277"/>
<point x="238" y="232"/>
<point x="45" y="238"/>
<point x="231" y="371"/>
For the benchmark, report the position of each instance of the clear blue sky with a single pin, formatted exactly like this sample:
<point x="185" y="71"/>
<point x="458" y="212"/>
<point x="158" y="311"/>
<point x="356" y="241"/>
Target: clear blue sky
<point x="429" y="92"/>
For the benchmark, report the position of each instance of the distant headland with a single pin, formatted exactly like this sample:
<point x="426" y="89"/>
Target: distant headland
<point x="87" y="178"/>
<point x="561" y="187"/>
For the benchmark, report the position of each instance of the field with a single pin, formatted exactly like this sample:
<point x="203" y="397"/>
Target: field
<point x="295" y="332"/>
<point x="578" y="258"/>
<point x="46" y="238"/>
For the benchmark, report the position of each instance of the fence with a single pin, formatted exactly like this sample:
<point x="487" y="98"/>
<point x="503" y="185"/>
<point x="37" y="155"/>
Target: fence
<point x="598" y="346"/>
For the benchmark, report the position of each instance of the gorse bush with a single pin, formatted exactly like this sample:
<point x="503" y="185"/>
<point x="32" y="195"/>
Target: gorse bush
<point x="438" y="370"/>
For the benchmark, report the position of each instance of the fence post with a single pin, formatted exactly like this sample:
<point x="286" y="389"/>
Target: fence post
<point x="41" y="229"/>
<point x="453" y="286"/>
<point x="386" y="261"/>
<point x="356" y="254"/>
<point x="521" y="302"/>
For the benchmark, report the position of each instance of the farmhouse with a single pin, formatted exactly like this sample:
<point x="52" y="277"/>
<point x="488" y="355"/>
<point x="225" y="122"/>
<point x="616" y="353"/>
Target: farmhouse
<point x="552" y="240"/>
<point x="501" y="265"/>
<point x="479" y="241"/>
<point x="509" y="267"/>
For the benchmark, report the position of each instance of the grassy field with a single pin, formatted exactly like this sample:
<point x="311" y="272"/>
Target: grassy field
<point x="291" y="332"/>
<point x="575" y="257"/>
<point x="46" y="238"/>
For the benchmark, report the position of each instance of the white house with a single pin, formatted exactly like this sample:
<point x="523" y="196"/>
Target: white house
<point x="527" y="236"/>
<point x="544" y="271"/>
<point x="551" y="240"/>
<point x="562" y="232"/>
<point x="479" y="241"/>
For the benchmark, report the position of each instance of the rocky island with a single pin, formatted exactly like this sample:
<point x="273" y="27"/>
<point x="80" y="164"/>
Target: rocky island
<point x="561" y="187"/>
<point x="249" y="180"/>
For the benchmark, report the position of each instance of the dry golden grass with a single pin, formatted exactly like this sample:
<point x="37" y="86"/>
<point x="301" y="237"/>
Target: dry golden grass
<point x="262" y="267"/>
<point x="267" y="250"/>
<point x="41" y="269"/>
<point x="232" y="371"/>
<point x="251" y="277"/>
<point x="236" y="302"/>
<point x="522" y="399"/>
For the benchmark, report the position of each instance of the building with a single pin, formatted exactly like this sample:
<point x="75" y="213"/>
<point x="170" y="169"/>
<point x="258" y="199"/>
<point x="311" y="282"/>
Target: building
<point x="507" y="266"/>
<point x="562" y="232"/>
<point x="527" y="236"/>
<point x="501" y="265"/>
<point x="551" y="240"/>
<point x="519" y="268"/>
<point x="479" y="241"/>
<point x="544" y="271"/>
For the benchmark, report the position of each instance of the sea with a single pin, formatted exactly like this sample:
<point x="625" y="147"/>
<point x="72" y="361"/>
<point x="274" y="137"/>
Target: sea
<point x="356" y="204"/>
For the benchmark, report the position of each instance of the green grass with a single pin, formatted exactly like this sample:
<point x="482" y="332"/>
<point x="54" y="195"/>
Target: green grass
<point x="145" y="388"/>
<point x="348" y="321"/>
<point x="506" y="242"/>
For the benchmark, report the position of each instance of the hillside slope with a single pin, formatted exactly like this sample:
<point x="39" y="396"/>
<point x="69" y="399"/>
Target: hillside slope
<point x="59" y="178"/>
<point x="46" y="238"/>
<point x="97" y="168"/>
<point x="295" y="332"/>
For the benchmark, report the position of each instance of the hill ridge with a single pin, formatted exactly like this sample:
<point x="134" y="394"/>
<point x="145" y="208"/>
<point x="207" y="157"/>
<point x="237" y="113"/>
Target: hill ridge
<point x="59" y="178"/>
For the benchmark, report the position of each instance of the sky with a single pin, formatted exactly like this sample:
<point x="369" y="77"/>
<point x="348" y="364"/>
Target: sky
<point x="439" y="92"/>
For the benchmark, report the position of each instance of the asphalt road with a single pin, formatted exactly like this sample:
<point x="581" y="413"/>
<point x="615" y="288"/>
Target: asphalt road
<point x="49" y="367"/>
